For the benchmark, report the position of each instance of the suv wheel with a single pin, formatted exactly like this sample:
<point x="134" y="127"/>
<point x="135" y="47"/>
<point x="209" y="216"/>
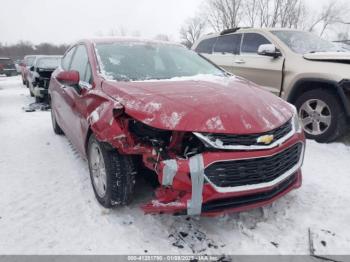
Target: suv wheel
<point x="321" y="115"/>
<point x="112" y="174"/>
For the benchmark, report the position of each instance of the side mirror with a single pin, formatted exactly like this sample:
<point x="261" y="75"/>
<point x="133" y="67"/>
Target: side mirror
<point x="69" y="78"/>
<point x="269" y="50"/>
<point x="31" y="68"/>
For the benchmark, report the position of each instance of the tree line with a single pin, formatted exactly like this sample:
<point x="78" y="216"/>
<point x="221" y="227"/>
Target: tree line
<point x="23" y="48"/>
<point x="218" y="15"/>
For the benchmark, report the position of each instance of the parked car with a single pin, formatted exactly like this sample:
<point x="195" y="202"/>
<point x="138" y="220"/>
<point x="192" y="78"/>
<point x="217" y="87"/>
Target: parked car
<point x="28" y="62"/>
<point x="39" y="76"/>
<point x="298" y="66"/>
<point x="18" y="66"/>
<point x="216" y="143"/>
<point x="7" y="67"/>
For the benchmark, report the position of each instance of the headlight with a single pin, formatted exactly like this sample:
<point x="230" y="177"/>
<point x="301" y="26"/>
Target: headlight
<point x="296" y="121"/>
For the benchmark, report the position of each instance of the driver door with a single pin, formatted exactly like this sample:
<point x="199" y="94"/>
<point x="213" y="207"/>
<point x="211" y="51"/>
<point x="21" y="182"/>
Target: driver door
<point x="262" y="70"/>
<point x="74" y="103"/>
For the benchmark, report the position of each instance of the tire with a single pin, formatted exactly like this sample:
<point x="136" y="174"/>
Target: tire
<point x="56" y="128"/>
<point x="118" y="180"/>
<point x="331" y="119"/>
<point x="38" y="99"/>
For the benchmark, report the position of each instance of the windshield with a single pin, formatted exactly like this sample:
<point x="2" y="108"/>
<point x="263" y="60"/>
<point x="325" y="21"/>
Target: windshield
<point x="305" y="42"/>
<point x="135" y="61"/>
<point x="29" y="60"/>
<point x="51" y="62"/>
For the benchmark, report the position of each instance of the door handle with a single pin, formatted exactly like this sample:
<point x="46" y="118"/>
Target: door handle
<point x="239" y="61"/>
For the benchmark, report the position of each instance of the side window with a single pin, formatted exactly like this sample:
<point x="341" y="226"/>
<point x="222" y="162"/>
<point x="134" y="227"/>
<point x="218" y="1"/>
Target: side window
<point x="67" y="59"/>
<point x="80" y="62"/>
<point x="206" y="46"/>
<point x="88" y="74"/>
<point x="252" y="41"/>
<point x="228" y="44"/>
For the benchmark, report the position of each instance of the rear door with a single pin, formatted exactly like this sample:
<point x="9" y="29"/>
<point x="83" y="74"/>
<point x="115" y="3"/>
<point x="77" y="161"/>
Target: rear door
<point x="58" y="92"/>
<point x="226" y="50"/>
<point x="263" y="70"/>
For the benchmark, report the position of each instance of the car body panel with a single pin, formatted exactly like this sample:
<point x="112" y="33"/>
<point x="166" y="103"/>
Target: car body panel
<point x="201" y="106"/>
<point x="328" y="56"/>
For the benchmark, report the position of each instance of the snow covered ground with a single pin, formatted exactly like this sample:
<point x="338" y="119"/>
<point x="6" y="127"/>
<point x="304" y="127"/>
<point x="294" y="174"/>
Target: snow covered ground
<point x="47" y="204"/>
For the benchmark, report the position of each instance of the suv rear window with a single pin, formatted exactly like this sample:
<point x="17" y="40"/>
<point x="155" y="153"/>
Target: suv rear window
<point x="252" y="41"/>
<point x="206" y="46"/>
<point x="228" y="44"/>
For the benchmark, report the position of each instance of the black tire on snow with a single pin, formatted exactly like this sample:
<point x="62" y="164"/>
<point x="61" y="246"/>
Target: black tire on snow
<point x="120" y="174"/>
<point x="38" y="99"/>
<point x="56" y="128"/>
<point x="338" y="124"/>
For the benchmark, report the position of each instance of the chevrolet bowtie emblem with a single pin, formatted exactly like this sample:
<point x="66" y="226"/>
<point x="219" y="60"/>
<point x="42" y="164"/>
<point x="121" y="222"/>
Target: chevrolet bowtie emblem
<point x="267" y="139"/>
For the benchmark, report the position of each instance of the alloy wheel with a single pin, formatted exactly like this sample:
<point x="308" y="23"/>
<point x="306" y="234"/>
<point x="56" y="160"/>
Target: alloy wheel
<point x="98" y="170"/>
<point x="315" y="116"/>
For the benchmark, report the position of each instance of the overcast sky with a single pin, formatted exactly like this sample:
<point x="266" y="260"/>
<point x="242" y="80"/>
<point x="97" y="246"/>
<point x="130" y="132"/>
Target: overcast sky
<point x="69" y="20"/>
<point x="65" y="21"/>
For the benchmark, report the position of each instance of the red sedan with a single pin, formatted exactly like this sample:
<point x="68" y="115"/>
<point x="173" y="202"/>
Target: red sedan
<point x="217" y="143"/>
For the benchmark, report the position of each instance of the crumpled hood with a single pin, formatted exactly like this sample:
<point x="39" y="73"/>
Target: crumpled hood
<point x="328" y="56"/>
<point x="204" y="104"/>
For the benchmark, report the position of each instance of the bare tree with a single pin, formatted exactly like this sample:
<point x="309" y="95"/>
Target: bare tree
<point x="224" y="14"/>
<point x="251" y="12"/>
<point x="332" y="13"/>
<point x="192" y="29"/>
<point x="22" y="48"/>
<point x="280" y="13"/>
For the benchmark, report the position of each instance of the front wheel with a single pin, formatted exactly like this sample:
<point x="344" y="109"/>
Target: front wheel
<point x="56" y="128"/>
<point x="321" y="115"/>
<point x="112" y="174"/>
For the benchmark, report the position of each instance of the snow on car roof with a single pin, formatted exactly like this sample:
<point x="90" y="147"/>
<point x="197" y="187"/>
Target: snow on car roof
<point x="101" y="40"/>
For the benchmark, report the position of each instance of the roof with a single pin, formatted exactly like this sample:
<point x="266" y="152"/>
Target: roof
<point x="97" y="40"/>
<point x="30" y="56"/>
<point x="247" y="29"/>
<point x="47" y="56"/>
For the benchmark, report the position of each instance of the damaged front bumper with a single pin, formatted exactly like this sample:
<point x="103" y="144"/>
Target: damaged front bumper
<point x="214" y="183"/>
